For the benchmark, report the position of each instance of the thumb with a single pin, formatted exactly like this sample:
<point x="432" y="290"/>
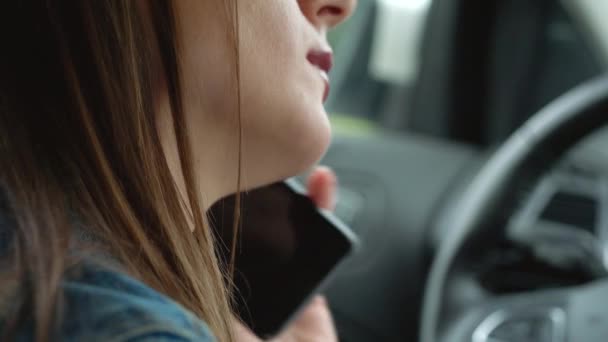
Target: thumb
<point x="322" y="187"/>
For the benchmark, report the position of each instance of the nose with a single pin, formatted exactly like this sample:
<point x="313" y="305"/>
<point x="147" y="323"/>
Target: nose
<point x="325" y="14"/>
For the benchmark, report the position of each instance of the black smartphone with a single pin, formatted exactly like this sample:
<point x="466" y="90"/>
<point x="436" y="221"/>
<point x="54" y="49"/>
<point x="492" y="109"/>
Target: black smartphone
<point x="286" y="252"/>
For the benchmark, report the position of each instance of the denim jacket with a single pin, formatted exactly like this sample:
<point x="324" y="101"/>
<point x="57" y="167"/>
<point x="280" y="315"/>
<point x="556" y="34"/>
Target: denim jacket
<point x="102" y="304"/>
<point x="105" y="305"/>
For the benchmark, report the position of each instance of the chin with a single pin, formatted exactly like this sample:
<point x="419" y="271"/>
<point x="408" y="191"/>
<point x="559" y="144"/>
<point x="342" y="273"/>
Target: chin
<point x="297" y="150"/>
<point x="311" y="149"/>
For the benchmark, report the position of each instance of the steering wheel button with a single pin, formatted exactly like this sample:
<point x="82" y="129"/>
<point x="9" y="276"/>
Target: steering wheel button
<point x="544" y="325"/>
<point x="524" y="330"/>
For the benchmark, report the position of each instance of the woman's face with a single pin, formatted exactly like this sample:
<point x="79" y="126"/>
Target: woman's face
<point x="284" y="61"/>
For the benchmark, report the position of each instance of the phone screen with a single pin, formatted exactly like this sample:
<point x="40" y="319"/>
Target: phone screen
<point x="286" y="249"/>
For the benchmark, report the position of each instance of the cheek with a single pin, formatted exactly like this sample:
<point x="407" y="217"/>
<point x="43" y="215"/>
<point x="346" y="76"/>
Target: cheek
<point x="206" y="60"/>
<point x="281" y="92"/>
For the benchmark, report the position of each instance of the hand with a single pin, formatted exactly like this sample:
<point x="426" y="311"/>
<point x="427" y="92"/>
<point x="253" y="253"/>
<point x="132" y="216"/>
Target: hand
<point x="314" y="324"/>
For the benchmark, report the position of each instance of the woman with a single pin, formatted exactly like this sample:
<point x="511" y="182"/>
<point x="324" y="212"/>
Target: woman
<point x="121" y="122"/>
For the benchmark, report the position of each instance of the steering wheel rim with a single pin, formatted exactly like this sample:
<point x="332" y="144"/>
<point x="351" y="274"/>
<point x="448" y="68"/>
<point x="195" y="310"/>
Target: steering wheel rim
<point x="545" y="137"/>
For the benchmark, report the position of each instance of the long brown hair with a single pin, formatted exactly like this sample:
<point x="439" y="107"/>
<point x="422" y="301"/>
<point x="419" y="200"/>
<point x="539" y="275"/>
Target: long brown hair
<point x="78" y="138"/>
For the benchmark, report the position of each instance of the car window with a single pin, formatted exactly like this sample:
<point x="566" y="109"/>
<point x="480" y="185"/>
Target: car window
<point x="502" y="62"/>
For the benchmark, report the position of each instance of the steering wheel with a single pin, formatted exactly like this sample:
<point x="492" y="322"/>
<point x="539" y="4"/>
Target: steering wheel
<point x="452" y="311"/>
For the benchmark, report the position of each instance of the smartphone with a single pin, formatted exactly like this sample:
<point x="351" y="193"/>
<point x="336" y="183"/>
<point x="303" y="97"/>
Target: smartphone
<point x="286" y="252"/>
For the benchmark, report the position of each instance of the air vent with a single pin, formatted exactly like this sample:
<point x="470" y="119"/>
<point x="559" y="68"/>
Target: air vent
<point x="573" y="209"/>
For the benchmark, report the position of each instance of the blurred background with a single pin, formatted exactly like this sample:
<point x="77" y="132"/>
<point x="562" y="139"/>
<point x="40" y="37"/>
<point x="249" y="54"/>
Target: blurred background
<point x="422" y="92"/>
<point x="467" y="71"/>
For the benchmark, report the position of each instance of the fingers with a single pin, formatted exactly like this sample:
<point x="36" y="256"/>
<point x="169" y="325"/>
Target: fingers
<point x="242" y="333"/>
<point x="322" y="187"/>
<point x="316" y="313"/>
<point x="314" y="324"/>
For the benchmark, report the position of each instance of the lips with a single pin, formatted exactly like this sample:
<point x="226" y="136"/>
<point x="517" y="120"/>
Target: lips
<point x="323" y="60"/>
